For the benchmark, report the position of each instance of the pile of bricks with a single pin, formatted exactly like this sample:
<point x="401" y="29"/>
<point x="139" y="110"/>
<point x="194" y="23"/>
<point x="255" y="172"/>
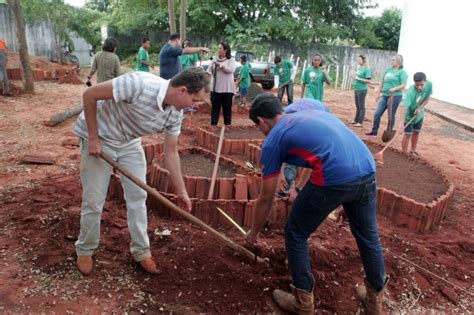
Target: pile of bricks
<point x="38" y="74"/>
<point x="207" y="139"/>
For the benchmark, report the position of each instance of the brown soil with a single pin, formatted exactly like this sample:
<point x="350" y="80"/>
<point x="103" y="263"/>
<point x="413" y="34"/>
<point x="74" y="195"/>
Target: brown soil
<point x="200" y="165"/>
<point x="12" y="88"/>
<point x="39" y="222"/>
<point x="70" y="78"/>
<point x="408" y="177"/>
<point x="250" y="132"/>
<point x="39" y="63"/>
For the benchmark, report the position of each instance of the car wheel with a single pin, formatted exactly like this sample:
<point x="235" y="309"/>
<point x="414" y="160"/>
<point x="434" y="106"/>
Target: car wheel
<point x="267" y="85"/>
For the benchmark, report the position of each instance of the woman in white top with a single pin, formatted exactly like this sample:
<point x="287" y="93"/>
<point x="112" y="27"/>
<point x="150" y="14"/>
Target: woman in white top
<point x="222" y="92"/>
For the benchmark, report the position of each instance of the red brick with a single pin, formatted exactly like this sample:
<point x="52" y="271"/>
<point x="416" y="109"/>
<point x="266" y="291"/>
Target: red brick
<point x="202" y="187"/>
<point x="14" y="74"/>
<point x="49" y="75"/>
<point x="226" y="188"/>
<point x="248" y="215"/>
<point x="163" y="179"/>
<point x="38" y="75"/>
<point x="241" y="187"/>
<point x="190" y="183"/>
<point x="253" y="186"/>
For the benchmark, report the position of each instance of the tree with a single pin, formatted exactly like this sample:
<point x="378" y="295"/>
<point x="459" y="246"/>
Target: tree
<point x="388" y="28"/>
<point x="64" y="18"/>
<point x="364" y="33"/>
<point x="172" y="16"/>
<point x="28" y="84"/>
<point x="182" y="20"/>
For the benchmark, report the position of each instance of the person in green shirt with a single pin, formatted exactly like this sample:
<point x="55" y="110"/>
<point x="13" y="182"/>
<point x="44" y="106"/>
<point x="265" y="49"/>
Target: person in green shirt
<point x="361" y="78"/>
<point x="284" y="70"/>
<point x="189" y="60"/>
<point x="313" y="80"/>
<point x="143" y="62"/>
<point x="244" y="80"/>
<point x="416" y="98"/>
<point x="393" y="82"/>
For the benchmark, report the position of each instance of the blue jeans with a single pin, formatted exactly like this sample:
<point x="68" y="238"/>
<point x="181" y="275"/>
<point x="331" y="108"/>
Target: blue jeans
<point x="360" y="105"/>
<point x="313" y="205"/>
<point x="382" y="106"/>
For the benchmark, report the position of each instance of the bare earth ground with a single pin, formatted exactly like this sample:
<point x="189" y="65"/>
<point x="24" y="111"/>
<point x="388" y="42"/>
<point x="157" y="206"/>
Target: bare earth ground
<point x="39" y="221"/>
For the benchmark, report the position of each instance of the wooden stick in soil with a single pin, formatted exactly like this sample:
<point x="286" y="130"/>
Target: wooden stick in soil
<point x="216" y="164"/>
<point x="180" y="211"/>
<point x="232" y="221"/>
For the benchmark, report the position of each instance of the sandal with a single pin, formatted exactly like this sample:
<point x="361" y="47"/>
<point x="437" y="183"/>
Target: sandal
<point x="415" y="154"/>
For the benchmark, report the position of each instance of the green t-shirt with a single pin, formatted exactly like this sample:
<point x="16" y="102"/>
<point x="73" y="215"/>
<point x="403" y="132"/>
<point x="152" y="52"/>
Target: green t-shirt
<point x="142" y="55"/>
<point x="245" y="76"/>
<point x="363" y="73"/>
<point x="414" y="97"/>
<point x="188" y="61"/>
<point x="392" y="78"/>
<point x="284" y="72"/>
<point x="314" y="80"/>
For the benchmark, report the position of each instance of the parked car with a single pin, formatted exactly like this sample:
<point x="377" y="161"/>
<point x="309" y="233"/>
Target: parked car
<point x="260" y="72"/>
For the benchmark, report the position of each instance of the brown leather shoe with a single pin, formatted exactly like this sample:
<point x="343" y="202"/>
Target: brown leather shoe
<point x="85" y="264"/>
<point x="149" y="265"/>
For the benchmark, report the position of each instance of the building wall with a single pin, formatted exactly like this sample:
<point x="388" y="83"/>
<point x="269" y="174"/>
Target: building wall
<point x="40" y="38"/>
<point x="436" y="38"/>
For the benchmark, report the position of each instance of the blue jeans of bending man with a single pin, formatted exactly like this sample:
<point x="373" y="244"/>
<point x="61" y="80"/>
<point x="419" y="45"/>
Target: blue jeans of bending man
<point x="311" y="208"/>
<point x="383" y="105"/>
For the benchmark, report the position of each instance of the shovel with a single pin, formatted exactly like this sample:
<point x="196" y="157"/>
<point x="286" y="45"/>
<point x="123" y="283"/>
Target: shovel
<point x="389" y="133"/>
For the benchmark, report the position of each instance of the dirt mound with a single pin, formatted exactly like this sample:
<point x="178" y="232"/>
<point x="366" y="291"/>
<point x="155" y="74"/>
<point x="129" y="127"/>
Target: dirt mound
<point x="70" y="78"/>
<point x="39" y="63"/>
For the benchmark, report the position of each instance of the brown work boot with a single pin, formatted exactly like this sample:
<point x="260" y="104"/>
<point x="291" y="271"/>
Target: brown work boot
<point x="85" y="264"/>
<point x="298" y="301"/>
<point x="150" y="266"/>
<point x="372" y="300"/>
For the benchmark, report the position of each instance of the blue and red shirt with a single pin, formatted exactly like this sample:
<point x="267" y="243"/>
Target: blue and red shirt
<point x="318" y="140"/>
<point x="305" y="104"/>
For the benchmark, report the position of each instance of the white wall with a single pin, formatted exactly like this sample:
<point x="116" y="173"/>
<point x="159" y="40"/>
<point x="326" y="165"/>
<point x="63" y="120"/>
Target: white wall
<point x="437" y="38"/>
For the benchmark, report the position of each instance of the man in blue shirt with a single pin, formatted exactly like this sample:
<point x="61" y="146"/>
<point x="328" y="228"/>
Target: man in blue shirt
<point x="343" y="173"/>
<point x="169" y="56"/>
<point x="289" y="171"/>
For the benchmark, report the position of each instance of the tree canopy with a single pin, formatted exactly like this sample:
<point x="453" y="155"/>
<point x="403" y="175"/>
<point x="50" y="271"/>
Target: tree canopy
<point x="246" y="23"/>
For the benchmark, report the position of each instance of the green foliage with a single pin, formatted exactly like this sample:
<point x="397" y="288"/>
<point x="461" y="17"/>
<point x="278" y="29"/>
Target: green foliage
<point x="128" y="16"/>
<point x="64" y="18"/>
<point x="382" y="32"/>
<point x="388" y="28"/>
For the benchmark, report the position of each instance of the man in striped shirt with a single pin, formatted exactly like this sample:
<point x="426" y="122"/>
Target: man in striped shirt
<point x="116" y="114"/>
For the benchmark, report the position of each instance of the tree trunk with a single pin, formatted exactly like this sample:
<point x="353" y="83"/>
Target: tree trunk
<point x="172" y="16"/>
<point x="182" y="20"/>
<point x="28" y="84"/>
<point x="57" y="39"/>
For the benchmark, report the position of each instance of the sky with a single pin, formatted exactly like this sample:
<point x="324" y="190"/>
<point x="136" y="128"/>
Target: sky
<point x="383" y="4"/>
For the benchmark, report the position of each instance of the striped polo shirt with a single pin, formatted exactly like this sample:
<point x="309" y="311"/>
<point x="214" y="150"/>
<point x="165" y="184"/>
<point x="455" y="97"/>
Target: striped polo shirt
<point x="136" y="110"/>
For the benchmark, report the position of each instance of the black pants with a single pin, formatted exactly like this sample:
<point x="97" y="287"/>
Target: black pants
<point x="223" y="100"/>
<point x="360" y="105"/>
